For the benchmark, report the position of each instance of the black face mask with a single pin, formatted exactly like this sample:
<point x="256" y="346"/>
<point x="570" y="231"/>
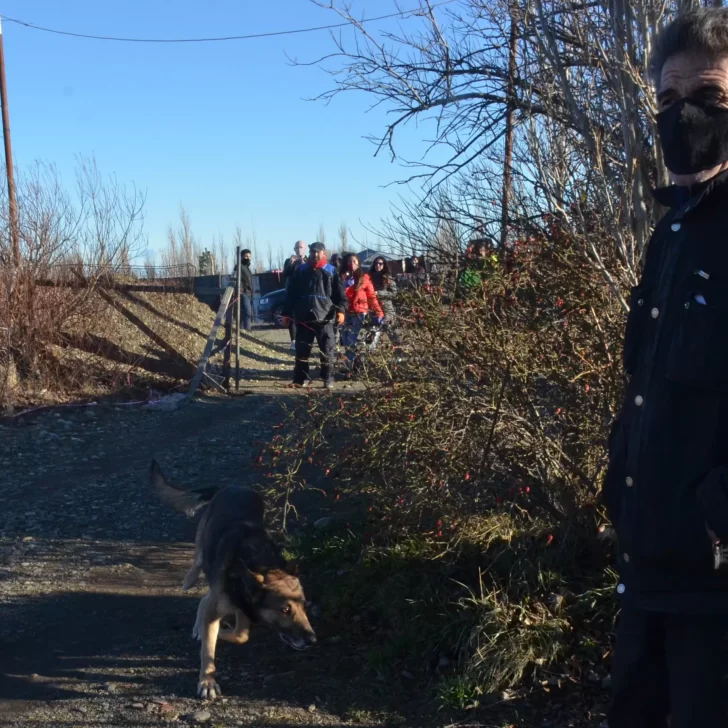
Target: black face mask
<point x="246" y="262"/>
<point x="694" y="136"/>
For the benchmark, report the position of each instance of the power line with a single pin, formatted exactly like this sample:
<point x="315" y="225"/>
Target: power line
<point x="250" y="36"/>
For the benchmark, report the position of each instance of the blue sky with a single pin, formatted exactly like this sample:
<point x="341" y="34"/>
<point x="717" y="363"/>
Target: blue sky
<point x="223" y="128"/>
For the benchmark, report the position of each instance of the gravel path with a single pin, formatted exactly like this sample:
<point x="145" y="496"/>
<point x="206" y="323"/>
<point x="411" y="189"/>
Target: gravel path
<point x="94" y="628"/>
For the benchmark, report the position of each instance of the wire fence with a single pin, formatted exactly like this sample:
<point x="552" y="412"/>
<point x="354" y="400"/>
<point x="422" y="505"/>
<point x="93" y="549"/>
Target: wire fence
<point x="62" y="272"/>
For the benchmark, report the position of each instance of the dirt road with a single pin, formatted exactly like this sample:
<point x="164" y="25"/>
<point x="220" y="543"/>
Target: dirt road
<point x="94" y="628"/>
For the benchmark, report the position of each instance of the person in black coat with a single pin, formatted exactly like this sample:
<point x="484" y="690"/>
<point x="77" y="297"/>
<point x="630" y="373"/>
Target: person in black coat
<point x="246" y="290"/>
<point x="666" y="488"/>
<point x="315" y="299"/>
<point x="289" y="270"/>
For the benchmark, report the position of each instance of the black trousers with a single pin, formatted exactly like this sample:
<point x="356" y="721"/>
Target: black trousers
<point x="246" y="311"/>
<point x="306" y="334"/>
<point x="669" y="665"/>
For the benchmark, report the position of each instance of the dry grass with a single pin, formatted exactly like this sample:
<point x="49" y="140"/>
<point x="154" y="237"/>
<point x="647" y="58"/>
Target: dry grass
<point x="100" y="353"/>
<point x="479" y="458"/>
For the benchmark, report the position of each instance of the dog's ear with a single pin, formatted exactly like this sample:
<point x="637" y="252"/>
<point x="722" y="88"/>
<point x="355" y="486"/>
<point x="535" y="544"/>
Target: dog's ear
<point x="292" y="568"/>
<point x="251" y="580"/>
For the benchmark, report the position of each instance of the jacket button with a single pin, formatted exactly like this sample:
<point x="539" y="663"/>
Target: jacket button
<point x="629" y="482"/>
<point x="654" y="313"/>
<point x="675" y="227"/>
<point x="639" y="400"/>
<point x="626" y="558"/>
<point x="621" y="588"/>
<point x="641" y="302"/>
<point x="687" y="304"/>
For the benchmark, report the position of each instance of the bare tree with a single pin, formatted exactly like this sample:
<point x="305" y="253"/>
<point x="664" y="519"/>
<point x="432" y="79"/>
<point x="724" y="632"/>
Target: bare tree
<point x="343" y="237"/>
<point x="221" y="255"/>
<point x="170" y="256"/>
<point x="182" y="250"/>
<point x="553" y="93"/>
<point x="189" y="247"/>
<point x="112" y="217"/>
<point x="321" y="234"/>
<point x="69" y="241"/>
<point x="150" y="271"/>
<point x="251" y="243"/>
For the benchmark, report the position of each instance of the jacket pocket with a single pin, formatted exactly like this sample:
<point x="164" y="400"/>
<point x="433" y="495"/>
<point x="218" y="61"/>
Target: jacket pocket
<point x="635" y="331"/>
<point x="674" y="539"/>
<point x="699" y="351"/>
<point x="712" y="496"/>
<point x="692" y="543"/>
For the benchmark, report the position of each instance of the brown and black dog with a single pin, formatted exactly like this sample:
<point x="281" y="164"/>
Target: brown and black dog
<point x="247" y="575"/>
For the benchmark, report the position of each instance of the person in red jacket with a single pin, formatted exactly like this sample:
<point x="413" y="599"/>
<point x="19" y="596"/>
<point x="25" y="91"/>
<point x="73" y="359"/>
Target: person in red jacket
<point x="362" y="300"/>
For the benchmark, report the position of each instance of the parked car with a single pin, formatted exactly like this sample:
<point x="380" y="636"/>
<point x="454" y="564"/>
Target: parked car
<point x="270" y="307"/>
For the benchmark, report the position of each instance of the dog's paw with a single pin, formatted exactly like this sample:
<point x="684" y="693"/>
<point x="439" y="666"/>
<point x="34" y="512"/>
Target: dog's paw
<point x="196" y="634"/>
<point x="208" y="689"/>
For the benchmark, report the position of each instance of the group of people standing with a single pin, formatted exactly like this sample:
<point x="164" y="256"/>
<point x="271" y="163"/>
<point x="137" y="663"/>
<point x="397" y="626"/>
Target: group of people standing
<point x="329" y="301"/>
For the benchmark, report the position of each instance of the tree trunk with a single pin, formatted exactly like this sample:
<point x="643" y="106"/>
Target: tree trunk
<point x="510" y="120"/>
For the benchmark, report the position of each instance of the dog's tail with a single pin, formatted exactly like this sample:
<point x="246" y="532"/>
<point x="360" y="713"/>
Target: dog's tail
<point x="189" y="502"/>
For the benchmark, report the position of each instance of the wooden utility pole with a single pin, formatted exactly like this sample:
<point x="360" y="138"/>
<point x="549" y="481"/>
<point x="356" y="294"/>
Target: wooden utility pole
<point x="12" y="203"/>
<point x="226" y="350"/>
<point x="237" y="321"/>
<point x="510" y="120"/>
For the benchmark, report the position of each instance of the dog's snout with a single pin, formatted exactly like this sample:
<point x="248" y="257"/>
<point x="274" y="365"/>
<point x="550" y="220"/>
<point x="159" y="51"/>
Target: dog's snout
<point x="311" y="639"/>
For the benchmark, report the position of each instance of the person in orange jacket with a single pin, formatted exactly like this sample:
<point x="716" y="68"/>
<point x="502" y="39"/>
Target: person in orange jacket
<point x="362" y="301"/>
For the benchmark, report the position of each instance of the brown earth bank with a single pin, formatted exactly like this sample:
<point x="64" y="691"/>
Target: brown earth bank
<point x="105" y="355"/>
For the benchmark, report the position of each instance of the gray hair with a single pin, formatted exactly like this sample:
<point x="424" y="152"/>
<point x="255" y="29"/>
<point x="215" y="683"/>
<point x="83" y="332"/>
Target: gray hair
<point x="703" y="32"/>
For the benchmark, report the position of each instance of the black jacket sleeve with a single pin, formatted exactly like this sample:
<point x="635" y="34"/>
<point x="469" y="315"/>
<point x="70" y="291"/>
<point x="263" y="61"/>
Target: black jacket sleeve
<point x="338" y="294"/>
<point x="287" y="272"/>
<point x="292" y="286"/>
<point x="713" y="499"/>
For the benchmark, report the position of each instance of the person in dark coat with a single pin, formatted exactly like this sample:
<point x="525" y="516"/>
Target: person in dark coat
<point x="246" y="290"/>
<point x="666" y="488"/>
<point x="289" y="270"/>
<point x="336" y="261"/>
<point x="315" y="298"/>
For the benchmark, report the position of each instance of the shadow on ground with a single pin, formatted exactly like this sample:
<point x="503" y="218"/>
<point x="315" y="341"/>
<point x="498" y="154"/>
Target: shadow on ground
<point x="91" y="611"/>
<point x="83" y="645"/>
